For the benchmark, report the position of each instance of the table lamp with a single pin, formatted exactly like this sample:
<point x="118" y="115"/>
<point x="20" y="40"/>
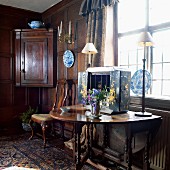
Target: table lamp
<point x="145" y="40"/>
<point x="89" y="49"/>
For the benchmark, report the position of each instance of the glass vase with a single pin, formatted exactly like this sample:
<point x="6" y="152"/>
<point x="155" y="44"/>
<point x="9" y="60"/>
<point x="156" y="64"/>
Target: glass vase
<point x="95" y="108"/>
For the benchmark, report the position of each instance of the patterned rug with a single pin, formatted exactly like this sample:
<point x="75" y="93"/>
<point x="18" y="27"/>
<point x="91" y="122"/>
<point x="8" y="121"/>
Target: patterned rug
<point x="20" y="152"/>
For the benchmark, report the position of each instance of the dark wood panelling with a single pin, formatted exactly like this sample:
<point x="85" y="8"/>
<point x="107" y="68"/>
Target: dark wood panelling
<point x="16" y="21"/>
<point x="20" y="96"/>
<point x="34" y="96"/>
<point x="81" y="62"/>
<point x="6" y="94"/>
<point x="12" y="100"/>
<point x="73" y="11"/>
<point x="5" y="41"/>
<point x="61" y="69"/>
<point x="72" y="72"/>
<point x="81" y="34"/>
<point x="14" y="18"/>
<point x="62" y="6"/>
<point x="11" y="11"/>
<point x="5" y="65"/>
<point x="66" y="13"/>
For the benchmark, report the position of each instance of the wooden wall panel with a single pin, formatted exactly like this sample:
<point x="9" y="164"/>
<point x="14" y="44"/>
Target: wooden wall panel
<point x="73" y="11"/>
<point x="18" y="98"/>
<point x="4" y="41"/>
<point x="81" y="34"/>
<point x="81" y="62"/>
<point x="61" y="70"/>
<point x="12" y="100"/>
<point x="16" y="21"/>
<point x="34" y="96"/>
<point x="5" y="65"/>
<point x="72" y="72"/>
<point x="6" y="94"/>
<point x="66" y="13"/>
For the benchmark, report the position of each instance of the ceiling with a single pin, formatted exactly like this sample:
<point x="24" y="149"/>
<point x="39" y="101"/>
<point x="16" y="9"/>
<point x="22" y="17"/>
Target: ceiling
<point x="32" y="5"/>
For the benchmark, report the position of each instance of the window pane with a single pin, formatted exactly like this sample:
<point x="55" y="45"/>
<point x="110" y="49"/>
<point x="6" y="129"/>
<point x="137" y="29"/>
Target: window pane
<point x="133" y="70"/>
<point x="166" y="54"/>
<point x="166" y="89"/>
<point x="132" y="57"/>
<point x="156" y="88"/>
<point x="123" y="58"/>
<point x="166" y="72"/>
<point x="157" y="55"/>
<point x="127" y="49"/>
<point x="140" y="56"/>
<point x="161" y="39"/>
<point x="157" y="71"/>
<point x="159" y="11"/>
<point x="131" y="15"/>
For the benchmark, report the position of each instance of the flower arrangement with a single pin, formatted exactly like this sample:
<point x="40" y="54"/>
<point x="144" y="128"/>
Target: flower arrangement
<point x="93" y="96"/>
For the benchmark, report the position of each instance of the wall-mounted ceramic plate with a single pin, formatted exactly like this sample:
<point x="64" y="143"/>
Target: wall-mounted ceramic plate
<point x="137" y="81"/>
<point x="68" y="58"/>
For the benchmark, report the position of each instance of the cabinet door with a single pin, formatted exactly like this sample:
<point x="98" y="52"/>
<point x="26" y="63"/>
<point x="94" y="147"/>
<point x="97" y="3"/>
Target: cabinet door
<point x="36" y="59"/>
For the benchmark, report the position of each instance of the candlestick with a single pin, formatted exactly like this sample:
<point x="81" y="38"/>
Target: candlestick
<point x="60" y="27"/>
<point x="69" y="29"/>
<point x="58" y="31"/>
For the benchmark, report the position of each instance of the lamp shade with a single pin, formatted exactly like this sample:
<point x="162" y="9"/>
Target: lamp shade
<point x="145" y="39"/>
<point x="89" y="49"/>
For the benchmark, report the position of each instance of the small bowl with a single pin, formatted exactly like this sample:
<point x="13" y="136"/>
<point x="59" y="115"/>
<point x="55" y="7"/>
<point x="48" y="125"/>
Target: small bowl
<point x="65" y="109"/>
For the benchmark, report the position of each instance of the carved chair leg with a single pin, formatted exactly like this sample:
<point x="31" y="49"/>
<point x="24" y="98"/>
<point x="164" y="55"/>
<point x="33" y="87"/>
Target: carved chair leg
<point x="44" y="126"/>
<point x="32" y="129"/>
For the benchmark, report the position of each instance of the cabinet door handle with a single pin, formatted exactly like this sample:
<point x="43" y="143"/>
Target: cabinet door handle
<point x="22" y="71"/>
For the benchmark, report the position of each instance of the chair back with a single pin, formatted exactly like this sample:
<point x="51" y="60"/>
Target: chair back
<point x="71" y="88"/>
<point x="61" y="94"/>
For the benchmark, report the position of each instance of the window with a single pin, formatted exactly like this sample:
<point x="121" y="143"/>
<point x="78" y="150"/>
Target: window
<point x="160" y="64"/>
<point x="131" y="15"/>
<point x="133" y="18"/>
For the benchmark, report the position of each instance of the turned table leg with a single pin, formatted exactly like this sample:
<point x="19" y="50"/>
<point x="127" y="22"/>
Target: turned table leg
<point x="128" y="147"/>
<point x="77" y="147"/>
<point x="146" y="165"/>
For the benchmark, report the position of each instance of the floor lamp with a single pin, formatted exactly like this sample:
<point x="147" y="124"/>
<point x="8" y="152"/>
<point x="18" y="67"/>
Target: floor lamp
<point x="145" y="41"/>
<point x="89" y="49"/>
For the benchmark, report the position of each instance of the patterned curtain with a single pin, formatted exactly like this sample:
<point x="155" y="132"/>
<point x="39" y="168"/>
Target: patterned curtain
<point x="95" y="13"/>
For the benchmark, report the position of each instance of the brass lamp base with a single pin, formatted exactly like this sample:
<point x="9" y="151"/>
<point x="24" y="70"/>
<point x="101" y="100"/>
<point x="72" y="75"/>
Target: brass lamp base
<point x="143" y="114"/>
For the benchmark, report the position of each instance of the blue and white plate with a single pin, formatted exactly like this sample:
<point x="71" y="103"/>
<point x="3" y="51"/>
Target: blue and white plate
<point x="68" y="58"/>
<point x="137" y="81"/>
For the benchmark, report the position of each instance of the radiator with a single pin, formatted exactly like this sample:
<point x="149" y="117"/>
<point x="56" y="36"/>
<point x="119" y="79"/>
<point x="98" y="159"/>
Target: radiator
<point x="160" y="148"/>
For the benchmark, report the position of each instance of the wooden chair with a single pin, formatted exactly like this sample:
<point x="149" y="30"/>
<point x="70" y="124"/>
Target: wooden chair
<point x="71" y="99"/>
<point x="44" y="119"/>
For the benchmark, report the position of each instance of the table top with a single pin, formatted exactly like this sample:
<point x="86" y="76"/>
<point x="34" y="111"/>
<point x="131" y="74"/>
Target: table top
<point x="81" y="114"/>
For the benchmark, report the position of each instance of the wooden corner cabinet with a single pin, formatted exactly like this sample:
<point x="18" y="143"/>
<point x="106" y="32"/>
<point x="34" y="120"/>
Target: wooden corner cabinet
<point x="34" y="57"/>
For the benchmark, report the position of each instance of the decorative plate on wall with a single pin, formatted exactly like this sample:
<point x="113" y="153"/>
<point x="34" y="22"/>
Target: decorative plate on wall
<point x="68" y="58"/>
<point x="137" y="81"/>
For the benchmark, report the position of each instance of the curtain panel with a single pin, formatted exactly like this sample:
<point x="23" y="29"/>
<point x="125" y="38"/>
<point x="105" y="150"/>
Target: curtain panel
<point x="88" y="6"/>
<point x="95" y="12"/>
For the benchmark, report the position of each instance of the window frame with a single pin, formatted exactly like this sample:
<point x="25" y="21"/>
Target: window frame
<point x="162" y="103"/>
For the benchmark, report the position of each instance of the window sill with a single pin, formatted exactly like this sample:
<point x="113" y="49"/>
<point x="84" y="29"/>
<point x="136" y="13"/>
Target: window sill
<point x="151" y="102"/>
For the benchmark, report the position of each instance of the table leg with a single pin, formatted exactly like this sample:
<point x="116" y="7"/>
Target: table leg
<point x="77" y="147"/>
<point x="129" y="149"/>
<point x="88" y="140"/>
<point x="146" y="153"/>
